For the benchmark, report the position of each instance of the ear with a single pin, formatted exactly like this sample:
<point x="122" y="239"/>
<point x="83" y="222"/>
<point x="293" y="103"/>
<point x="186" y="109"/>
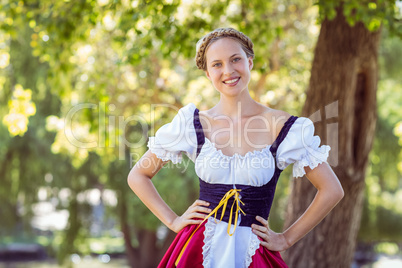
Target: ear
<point x="250" y="63"/>
<point x="207" y="74"/>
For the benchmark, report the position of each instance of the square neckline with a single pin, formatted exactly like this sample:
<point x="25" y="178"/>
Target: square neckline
<point x="250" y="153"/>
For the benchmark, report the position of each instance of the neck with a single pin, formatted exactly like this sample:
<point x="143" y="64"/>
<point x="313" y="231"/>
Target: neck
<point x="237" y="106"/>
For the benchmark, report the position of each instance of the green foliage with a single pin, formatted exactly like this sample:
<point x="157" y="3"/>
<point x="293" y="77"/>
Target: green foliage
<point x="111" y="60"/>
<point x="21" y="108"/>
<point x="372" y="13"/>
<point x="382" y="214"/>
<point x="178" y="186"/>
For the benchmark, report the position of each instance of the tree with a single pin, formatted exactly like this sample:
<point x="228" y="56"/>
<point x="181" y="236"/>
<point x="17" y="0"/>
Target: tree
<point x="122" y="56"/>
<point x="382" y="213"/>
<point x="133" y="45"/>
<point x="343" y="83"/>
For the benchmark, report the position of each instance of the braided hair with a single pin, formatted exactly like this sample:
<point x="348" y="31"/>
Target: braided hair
<point x="204" y="43"/>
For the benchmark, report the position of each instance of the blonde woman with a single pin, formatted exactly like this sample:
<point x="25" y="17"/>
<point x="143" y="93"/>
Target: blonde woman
<point x="239" y="148"/>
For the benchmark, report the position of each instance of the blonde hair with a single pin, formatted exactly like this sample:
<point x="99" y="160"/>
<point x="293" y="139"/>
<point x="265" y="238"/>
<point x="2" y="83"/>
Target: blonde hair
<point x="203" y="44"/>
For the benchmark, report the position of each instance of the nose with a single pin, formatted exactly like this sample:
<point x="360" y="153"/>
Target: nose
<point x="228" y="70"/>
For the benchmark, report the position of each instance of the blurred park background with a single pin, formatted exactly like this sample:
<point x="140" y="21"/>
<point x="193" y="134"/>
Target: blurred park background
<point x="77" y="83"/>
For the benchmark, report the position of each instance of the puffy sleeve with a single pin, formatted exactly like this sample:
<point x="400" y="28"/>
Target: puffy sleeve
<point x="176" y="137"/>
<point x="301" y="148"/>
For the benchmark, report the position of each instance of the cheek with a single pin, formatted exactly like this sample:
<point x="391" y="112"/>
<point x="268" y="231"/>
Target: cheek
<point x="214" y="75"/>
<point x="245" y="66"/>
<point x="246" y="69"/>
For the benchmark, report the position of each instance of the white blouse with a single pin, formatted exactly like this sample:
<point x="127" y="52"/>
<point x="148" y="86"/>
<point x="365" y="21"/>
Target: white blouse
<point x="256" y="168"/>
<point x="300" y="147"/>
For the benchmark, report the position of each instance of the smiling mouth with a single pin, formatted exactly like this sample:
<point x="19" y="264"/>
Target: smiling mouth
<point x="232" y="81"/>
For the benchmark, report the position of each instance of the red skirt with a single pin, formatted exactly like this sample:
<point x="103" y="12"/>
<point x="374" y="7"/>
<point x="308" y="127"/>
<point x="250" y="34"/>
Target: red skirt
<point x="192" y="256"/>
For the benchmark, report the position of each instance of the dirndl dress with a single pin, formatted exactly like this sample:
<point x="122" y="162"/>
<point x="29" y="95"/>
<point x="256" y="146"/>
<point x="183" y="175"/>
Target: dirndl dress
<point x="237" y="187"/>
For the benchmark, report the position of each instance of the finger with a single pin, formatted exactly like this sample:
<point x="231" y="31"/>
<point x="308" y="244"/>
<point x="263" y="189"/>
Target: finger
<point x="199" y="209"/>
<point x="197" y="215"/>
<point x="200" y="203"/>
<point x="259" y="228"/>
<point x="193" y="221"/>
<point x="203" y="209"/>
<point x="259" y="233"/>
<point x="264" y="244"/>
<point x="262" y="220"/>
<point x="264" y="236"/>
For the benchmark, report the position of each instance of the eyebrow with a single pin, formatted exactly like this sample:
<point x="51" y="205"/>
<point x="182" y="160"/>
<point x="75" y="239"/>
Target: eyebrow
<point x="229" y="57"/>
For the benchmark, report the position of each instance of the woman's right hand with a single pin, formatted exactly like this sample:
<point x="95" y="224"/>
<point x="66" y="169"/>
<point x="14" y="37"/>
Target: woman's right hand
<point x="193" y="215"/>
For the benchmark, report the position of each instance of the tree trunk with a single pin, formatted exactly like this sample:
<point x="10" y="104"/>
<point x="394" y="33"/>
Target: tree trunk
<point x="148" y="250"/>
<point x="131" y="253"/>
<point x="341" y="99"/>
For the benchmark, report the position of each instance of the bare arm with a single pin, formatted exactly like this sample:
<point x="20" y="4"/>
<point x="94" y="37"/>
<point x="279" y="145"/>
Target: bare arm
<point x="139" y="180"/>
<point x="329" y="193"/>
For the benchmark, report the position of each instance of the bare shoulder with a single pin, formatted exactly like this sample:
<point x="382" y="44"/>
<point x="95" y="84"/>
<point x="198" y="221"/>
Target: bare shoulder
<point x="276" y="118"/>
<point x="280" y="115"/>
<point x="204" y="114"/>
<point x="206" y="119"/>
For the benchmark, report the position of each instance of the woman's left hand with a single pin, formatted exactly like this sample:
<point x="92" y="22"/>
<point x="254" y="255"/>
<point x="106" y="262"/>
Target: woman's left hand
<point x="271" y="240"/>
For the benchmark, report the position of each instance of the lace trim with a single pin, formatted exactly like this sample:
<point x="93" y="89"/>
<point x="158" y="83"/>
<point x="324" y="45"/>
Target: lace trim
<point x="175" y="157"/>
<point x="311" y="160"/>
<point x="254" y="153"/>
<point x="254" y="244"/>
<point x="209" y="232"/>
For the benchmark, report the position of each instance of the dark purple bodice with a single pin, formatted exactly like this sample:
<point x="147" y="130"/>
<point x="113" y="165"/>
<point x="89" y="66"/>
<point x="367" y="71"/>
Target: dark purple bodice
<point x="257" y="200"/>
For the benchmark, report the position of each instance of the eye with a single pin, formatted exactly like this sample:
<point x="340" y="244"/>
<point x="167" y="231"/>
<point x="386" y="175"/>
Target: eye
<point x="236" y="59"/>
<point x="216" y="65"/>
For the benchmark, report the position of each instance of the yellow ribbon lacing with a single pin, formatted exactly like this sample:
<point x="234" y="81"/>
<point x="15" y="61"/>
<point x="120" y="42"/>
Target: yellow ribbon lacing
<point x="223" y="202"/>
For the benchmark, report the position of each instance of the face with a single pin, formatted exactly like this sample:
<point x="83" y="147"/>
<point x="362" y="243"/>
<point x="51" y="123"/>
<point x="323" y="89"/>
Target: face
<point x="228" y="67"/>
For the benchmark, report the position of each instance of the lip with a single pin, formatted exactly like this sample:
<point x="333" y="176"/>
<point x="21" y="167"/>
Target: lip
<point x="231" y="78"/>
<point x="237" y="79"/>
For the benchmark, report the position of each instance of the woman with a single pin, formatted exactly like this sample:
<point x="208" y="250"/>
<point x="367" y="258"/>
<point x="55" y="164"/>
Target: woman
<point x="239" y="148"/>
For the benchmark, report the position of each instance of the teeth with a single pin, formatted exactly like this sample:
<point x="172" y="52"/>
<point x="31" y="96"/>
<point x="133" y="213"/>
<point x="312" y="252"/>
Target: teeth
<point x="230" y="81"/>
